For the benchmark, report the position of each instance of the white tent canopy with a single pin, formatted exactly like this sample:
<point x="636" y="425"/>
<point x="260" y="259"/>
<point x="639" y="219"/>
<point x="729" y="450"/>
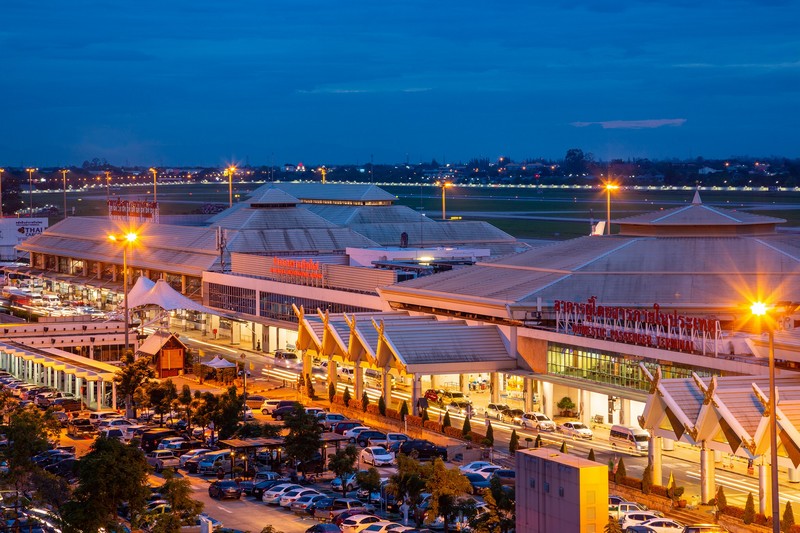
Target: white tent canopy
<point x="218" y="362"/>
<point x="142" y="286"/>
<point x="164" y="296"/>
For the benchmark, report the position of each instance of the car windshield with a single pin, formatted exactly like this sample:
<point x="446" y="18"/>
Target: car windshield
<point x="578" y="425"/>
<point x="641" y="438"/>
<point x="457" y="395"/>
<point x="541" y="417"/>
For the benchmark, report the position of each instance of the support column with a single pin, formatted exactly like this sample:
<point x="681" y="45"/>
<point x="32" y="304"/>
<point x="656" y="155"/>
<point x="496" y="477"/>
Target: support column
<point x="386" y="387"/>
<point x="183" y="283"/>
<point x="236" y="332"/>
<point x="434" y="382"/>
<point x="527" y="394"/>
<point x="332" y="372"/>
<point x="85" y="269"/>
<point x="101" y="394"/>
<point x="213" y="325"/>
<point x="416" y="394"/>
<point x="113" y="272"/>
<point x="763" y="488"/>
<point x="463" y="384"/>
<point x="625" y="412"/>
<point x="358" y="377"/>
<point x="707" y="489"/>
<point x="114" y="396"/>
<point x="307" y="366"/>
<point x="654" y="458"/>
<point x="583" y="405"/>
<point x="547" y="398"/>
<point x="494" y="386"/>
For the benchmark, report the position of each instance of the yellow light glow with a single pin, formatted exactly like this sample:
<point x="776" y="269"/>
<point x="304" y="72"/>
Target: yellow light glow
<point x="611" y="186"/>
<point x="131" y="237"/>
<point x="758" y="308"/>
<point x="426" y="258"/>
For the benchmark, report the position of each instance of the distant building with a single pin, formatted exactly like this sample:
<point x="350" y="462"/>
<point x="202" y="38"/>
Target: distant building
<point x="560" y="492"/>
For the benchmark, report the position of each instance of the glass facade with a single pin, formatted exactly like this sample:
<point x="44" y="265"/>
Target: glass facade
<point x="230" y="298"/>
<point x="611" y="368"/>
<point x="279" y="306"/>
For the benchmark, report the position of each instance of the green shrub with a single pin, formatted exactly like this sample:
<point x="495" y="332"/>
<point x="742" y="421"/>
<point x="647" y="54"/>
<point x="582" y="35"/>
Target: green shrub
<point x="647" y="479"/>
<point x="382" y="406"/>
<point x="591" y="455"/>
<point x="466" y="428"/>
<point x="563" y="448"/>
<point x="788" y="518"/>
<point x="620" y="473"/>
<point x="346" y="397"/>
<point x="722" y="501"/>
<point x="513" y="443"/>
<point x="446" y="421"/>
<point x="331" y="391"/>
<point x="403" y="410"/>
<point x="749" y="510"/>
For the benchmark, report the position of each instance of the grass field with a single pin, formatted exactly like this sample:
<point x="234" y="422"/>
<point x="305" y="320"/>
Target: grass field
<point x="551" y="213"/>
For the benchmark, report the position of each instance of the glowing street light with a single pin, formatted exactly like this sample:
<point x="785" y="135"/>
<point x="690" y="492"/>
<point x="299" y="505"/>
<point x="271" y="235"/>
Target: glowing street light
<point x="444" y="185"/>
<point x="761" y="311"/>
<point x="155" y="184"/>
<point x="230" y="171"/>
<point x="64" y="176"/>
<point x="609" y="187"/>
<point x="30" y="172"/>
<point x="125" y="240"/>
<point x="1" y="191"/>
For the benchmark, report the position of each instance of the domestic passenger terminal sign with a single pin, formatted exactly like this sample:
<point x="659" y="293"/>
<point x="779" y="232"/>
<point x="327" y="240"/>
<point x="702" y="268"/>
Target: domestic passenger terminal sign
<point x="642" y="327"/>
<point x="15" y="230"/>
<point x="127" y="210"/>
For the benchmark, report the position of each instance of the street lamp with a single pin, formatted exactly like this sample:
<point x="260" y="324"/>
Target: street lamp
<point x="231" y="172"/>
<point x="760" y="309"/>
<point x="126" y="240"/>
<point x="108" y="186"/>
<point x="1" y="191"/>
<point x="64" y="176"/>
<point x="243" y="357"/>
<point x="155" y="185"/>
<point x="30" y="172"/>
<point x="444" y="185"/>
<point x="609" y="187"/>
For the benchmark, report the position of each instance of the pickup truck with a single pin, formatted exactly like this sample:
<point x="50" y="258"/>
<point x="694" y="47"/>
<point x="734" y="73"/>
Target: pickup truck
<point x="161" y="459"/>
<point x="619" y="509"/>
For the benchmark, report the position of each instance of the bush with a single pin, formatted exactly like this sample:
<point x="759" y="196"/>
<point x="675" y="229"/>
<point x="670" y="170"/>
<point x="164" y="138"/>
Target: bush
<point x="633" y="482"/>
<point x="722" y="501"/>
<point x="513" y="443"/>
<point x="374" y="409"/>
<point x="331" y="391"/>
<point x="346" y="397"/>
<point x="424" y="415"/>
<point x="647" y="479"/>
<point x="432" y="425"/>
<point x="658" y="490"/>
<point x="794" y="529"/>
<point x="620" y="473"/>
<point x="788" y="518"/>
<point x="338" y="399"/>
<point x="537" y="443"/>
<point x="466" y="428"/>
<point x="476" y="438"/>
<point x="453" y="432"/>
<point x="403" y="410"/>
<point x="749" y="513"/>
<point x="414" y="421"/>
<point x="563" y="448"/>
<point x="393" y="413"/>
<point x="446" y="421"/>
<point x="489" y="434"/>
<point x="566" y="404"/>
<point x="733" y="511"/>
<point x="591" y="455"/>
<point x="364" y="401"/>
<point x="382" y="406"/>
<point x="762" y="520"/>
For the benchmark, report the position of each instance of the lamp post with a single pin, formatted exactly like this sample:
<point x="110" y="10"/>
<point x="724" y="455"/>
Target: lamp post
<point x="609" y="187"/>
<point x="231" y="172"/>
<point x="30" y="172"/>
<point x="1" y="191"/>
<point x="155" y="184"/>
<point x="108" y="186"/>
<point x="760" y="310"/>
<point x="444" y="185"/>
<point x="64" y="176"/>
<point x="243" y="357"/>
<point x="126" y="240"/>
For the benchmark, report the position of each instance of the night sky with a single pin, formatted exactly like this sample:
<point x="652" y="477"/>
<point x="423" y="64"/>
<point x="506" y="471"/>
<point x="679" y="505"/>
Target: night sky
<point x="211" y="82"/>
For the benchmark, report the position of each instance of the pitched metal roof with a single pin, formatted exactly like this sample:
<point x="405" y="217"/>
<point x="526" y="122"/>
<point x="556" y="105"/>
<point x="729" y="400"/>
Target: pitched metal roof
<point x="330" y="191"/>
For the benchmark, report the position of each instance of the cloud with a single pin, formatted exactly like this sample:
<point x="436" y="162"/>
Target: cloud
<point x="632" y="124"/>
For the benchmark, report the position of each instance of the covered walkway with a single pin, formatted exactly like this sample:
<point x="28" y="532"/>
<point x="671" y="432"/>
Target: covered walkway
<point x="724" y="415"/>
<point x="396" y="343"/>
<point x="91" y="381"/>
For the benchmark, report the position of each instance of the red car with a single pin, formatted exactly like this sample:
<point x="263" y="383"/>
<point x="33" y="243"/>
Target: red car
<point x="433" y="395"/>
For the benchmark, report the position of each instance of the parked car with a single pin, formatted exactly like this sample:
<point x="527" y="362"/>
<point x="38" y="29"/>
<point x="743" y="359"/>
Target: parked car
<point x="273" y="495"/>
<point x="345" y="425"/>
<point x="575" y="430"/>
<point x="327" y="420"/>
<point x="337" y="506"/>
<point x="324" y="528"/>
<point x="487" y="471"/>
<point x="538" y="421"/>
<point x="512" y="416"/>
<point x="618" y="510"/>
<point x="423" y="449"/>
<point x="477" y="481"/>
<point x="293" y="495"/>
<point x="350" y="482"/>
<point x="377" y="456"/>
<point x="352" y="433"/>
<point x="161" y="459"/>
<point x="260" y="487"/>
<point x="282" y="412"/>
<point x="364" y="437"/>
<point x="222" y="489"/>
<point x="191" y="454"/>
<point x="267" y="406"/>
<point x="657" y="525"/>
<point x="69" y="405"/>
<point x="474" y="466"/>
<point x="495" y="410"/>
<point x="302" y="504"/>
<point x="631" y="519"/>
<point x="79" y="428"/>
<point x="704" y="528"/>
<point x="506" y="477"/>
<point x="356" y="523"/>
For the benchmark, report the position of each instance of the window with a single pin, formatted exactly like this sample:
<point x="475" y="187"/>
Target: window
<point x="229" y="298"/>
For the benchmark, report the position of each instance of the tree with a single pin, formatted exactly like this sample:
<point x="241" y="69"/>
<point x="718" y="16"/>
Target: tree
<point x="185" y="399"/>
<point x="445" y="486"/>
<point x="612" y="526"/>
<point x="647" y="479"/>
<point x="331" y="391"/>
<point x="575" y="161"/>
<point x="346" y="397"/>
<point x="749" y="510"/>
<point x="446" y="423"/>
<point x="489" y="439"/>
<point x="134" y="374"/>
<point x="110" y="474"/>
<point x="310" y="384"/>
<point x="304" y="438"/>
<point x="382" y="406"/>
<point x="178" y="492"/>
<point x="369" y="480"/>
<point x="538" y="442"/>
<point x="500" y="514"/>
<point x="424" y="416"/>
<point x="722" y="501"/>
<point x="161" y="395"/>
<point x="407" y="484"/>
<point x="513" y="443"/>
<point x="364" y="401"/>
<point x="591" y="455"/>
<point x="466" y="429"/>
<point x="620" y="474"/>
<point x="343" y="464"/>
<point x="270" y="529"/>
<point x="788" y="518"/>
<point x="403" y="410"/>
<point x="563" y="448"/>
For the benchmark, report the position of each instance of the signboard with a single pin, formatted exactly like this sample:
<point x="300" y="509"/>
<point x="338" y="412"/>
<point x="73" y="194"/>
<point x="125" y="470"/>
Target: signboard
<point x="300" y="271"/>
<point x="642" y="327"/>
<point x="127" y="210"/>
<point x="15" y="230"/>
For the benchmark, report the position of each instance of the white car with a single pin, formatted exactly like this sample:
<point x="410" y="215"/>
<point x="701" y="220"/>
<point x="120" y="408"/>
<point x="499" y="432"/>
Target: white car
<point x="539" y="421"/>
<point x="192" y="453"/>
<point x="487" y="471"/>
<point x="384" y="527"/>
<point x="377" y="456"/>
<point x="576" y="430"/>
<point x="471" y="467"/>
<point x="290" y="497"/>
<point x="275" y="494"/>
<point x="635" y="518"/>
<point x="268" y="406"/>
<point x="357" y="523"/>
<point x="663" y="525"/>
<point x="352" y="433"/>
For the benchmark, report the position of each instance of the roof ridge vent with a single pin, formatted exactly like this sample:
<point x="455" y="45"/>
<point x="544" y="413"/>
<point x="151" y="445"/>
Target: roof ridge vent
<point x="696" y="200"/>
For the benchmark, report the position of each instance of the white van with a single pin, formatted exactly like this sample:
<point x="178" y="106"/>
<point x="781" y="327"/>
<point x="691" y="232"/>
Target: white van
<point x="211" y="463"/>
<point x="631" y="437"/>
<point x="51" y="300"/>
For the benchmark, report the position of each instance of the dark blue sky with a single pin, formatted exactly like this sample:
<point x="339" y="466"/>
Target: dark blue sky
<point x="206" y="82"/>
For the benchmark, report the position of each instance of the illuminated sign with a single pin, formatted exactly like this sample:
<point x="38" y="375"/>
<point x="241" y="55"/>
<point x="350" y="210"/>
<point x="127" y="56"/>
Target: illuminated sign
<point x="126" y="210"/>
<point x="15" y="230"/>
<point x="644" y="327"/>
<point x="303" y="271"/>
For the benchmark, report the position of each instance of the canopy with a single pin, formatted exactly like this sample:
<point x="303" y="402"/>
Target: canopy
<point x="218" y="362"/>
<point x="142" y="286"/>
<point x="165" y="297"/>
